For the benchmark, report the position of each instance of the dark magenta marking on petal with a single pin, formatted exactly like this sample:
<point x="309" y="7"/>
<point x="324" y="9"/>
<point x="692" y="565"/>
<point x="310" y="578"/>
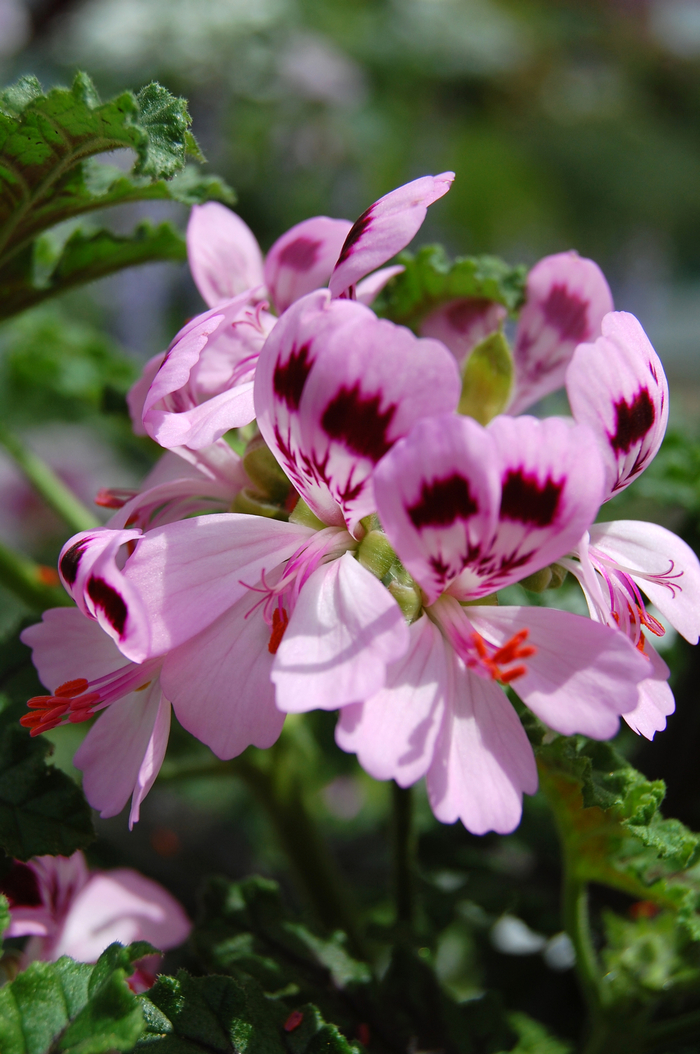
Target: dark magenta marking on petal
<point x="289" y="379"/>
<point x="110" y="602"/>
<point x="442" y="502"/>
<point x="440" y="568"/>
<point x="357" y="422"/>
<point x="566" y="312"/>
<point x="464" y="313"/>
<point x="21" y="887"/>
<point x="356" y="231"/>
<point x="526" y="500"/>
<point x="70" y="561"/>
<point x="301" y="254"/>
<point x="632" y="421"/>
<point x="652" y="371"/>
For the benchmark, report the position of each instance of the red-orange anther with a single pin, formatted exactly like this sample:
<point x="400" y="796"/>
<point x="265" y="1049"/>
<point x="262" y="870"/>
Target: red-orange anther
<point x="280" y="621"/>
<point x="293" y="1021"/>
<point x="70" y="688"/>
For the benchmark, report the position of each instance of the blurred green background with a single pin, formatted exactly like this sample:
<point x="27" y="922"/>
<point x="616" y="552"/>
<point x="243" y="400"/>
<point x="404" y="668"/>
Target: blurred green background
<point x="569" y="125"/>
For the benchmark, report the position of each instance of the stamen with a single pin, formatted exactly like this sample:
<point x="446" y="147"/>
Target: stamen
<point x="493" y="662"/>
<point x="280" y="621"/>
<point x="71" y="688"/>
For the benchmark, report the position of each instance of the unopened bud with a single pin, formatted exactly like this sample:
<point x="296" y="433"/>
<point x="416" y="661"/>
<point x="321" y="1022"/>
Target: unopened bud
<point x="255" y="504"/>
<point x="262" y="469"/>
<point x="487" y="379"/>
<point x="376" y="554"/>
<point x="408" y="598"/>
<point x="303" y="515"/>
<point x="551" y="577"/>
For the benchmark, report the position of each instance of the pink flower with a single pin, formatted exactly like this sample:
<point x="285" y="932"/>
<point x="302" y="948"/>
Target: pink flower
<point x="65" y="909"/>
<point x="203" y="386"/>
<point x="614" y="563"/>
<point x="470" y="510"/>
<point x="216" y="600"/>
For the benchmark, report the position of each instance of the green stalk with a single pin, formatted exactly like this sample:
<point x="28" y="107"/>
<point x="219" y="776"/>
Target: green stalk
<point x="576" y="924"/>
<point x="26" y="579"/>
<point x="46" y="483"/>
<point x="403" y="846"/>
<point x="667" y="1034"/>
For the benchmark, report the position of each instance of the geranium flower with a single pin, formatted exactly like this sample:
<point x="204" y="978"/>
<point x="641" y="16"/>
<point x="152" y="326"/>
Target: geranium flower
<point x="470" y="510"/>
<point x="215" y="601"/>
<point x="618" y="387"/>
<point x="203" y="386"/>
<point x="66" y="909"/>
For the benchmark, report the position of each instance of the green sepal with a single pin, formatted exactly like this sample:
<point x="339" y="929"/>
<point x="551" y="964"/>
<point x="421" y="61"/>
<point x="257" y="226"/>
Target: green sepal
<point x="252" y="503"/>
<point x="487" y="379"/>
<point x="429" y="280"/>
<point x="263" y="469"/>
<point x="305" y="517"/>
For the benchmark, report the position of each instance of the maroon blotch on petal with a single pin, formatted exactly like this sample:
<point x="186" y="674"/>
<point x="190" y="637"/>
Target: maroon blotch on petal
<point x="442" y="502"/>
<point x="21" y="887"/>
<point x="357" y="422"/>
<point x="566" y="312"/>
<point x="301" y="254"/>
<point x="354" y="235"/>
<point x="70" y="561"/>
<point x="464" y="313"/>
<point x="526" y="500"/>
<point x="632" y="421"/>
<point x="109" y="601"/>
<point x="289" y="379"/>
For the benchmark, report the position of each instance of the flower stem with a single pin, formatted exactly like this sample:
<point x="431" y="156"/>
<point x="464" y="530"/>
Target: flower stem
<point x="46" y="483"/>
<point x="403" y="846"/>
<point x="31" y="582"/>
<point x="576" y="923"/>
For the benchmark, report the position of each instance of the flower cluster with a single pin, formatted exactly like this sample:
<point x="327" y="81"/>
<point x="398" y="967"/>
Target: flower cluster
<point x="352" y="558"/>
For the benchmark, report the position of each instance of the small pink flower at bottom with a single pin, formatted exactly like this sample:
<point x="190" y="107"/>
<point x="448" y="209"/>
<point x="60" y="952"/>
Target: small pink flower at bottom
<point x="66" y="909"/>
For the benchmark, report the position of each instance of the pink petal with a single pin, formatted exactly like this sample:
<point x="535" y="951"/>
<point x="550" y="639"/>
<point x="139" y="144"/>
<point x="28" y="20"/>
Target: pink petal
<point x="369" y="288"/>
<point x="361" y="385"/>
<point x="303" y="258"/>
<point x="567" y="297"/>
<point x="437" y="494"/>
<point x="483" y="760"/>
<point x="112" y="754"/>
<point x="661" y="564"/>
<point x="656" y="700"/>
<point x="394" y="732"/>
<point x="67" y="645"/>
<point x="344" y="631"/>
<point x="152" y="759"/>
<point x="224" y="256"/>
<point x="617" y="386"/>
<point x="124" y="906"/>
<point x="88" y="569"/>
<point x="462" y="324"/>
<point x="582" y="676"/>
<point x="219" y="683"/>
<point x="385" y="228"/>
<point x="189" y="573"/>
<point x="138" y="392"/>
<point x="173" y="501"/>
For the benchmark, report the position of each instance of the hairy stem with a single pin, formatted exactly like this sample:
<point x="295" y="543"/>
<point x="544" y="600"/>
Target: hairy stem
<point x="403" y="846"/>
<point x="46" y="483"/>
<point x="31" y="582"/>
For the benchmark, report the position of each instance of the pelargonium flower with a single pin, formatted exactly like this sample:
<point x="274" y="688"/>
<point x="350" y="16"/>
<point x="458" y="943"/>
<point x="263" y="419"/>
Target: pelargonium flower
<point x="566" y="298"/>
<point x="66" y="909"/>
<point x="222" y="599"/>
<point x="618" y="387"/>
<point x="203" y="386"/>
<point x="469" y="511"/>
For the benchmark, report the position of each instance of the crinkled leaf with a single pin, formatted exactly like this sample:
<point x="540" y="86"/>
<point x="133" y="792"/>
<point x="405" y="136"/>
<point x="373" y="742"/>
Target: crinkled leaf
<point x="487" y="379"/>
<point x="53" y="266"/>
<point x="612" y="831"/>
<point x="73" y="1008"/>
<point x="41" y="809"/>
<point x="429" y="280"/>
<point x="48" y="174"/>
<point x="647" y="957"/>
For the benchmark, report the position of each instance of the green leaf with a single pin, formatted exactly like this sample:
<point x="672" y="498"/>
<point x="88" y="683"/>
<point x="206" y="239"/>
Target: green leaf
<point x="429" y="280"/>
<point x="72" y="1007"/>
<point x="648" y="957"/>
<point x="41" y="809"/>
<point x="612" y="831"/>
<point x="219" y="1015"/>
<point x="4" y="915"/>
<point x="533" y="1038"/>
<point x="53" y="367"/>
<point x="49" y="174"/>
<point x="86" y="255"/>
<point x="487" y="379"/>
